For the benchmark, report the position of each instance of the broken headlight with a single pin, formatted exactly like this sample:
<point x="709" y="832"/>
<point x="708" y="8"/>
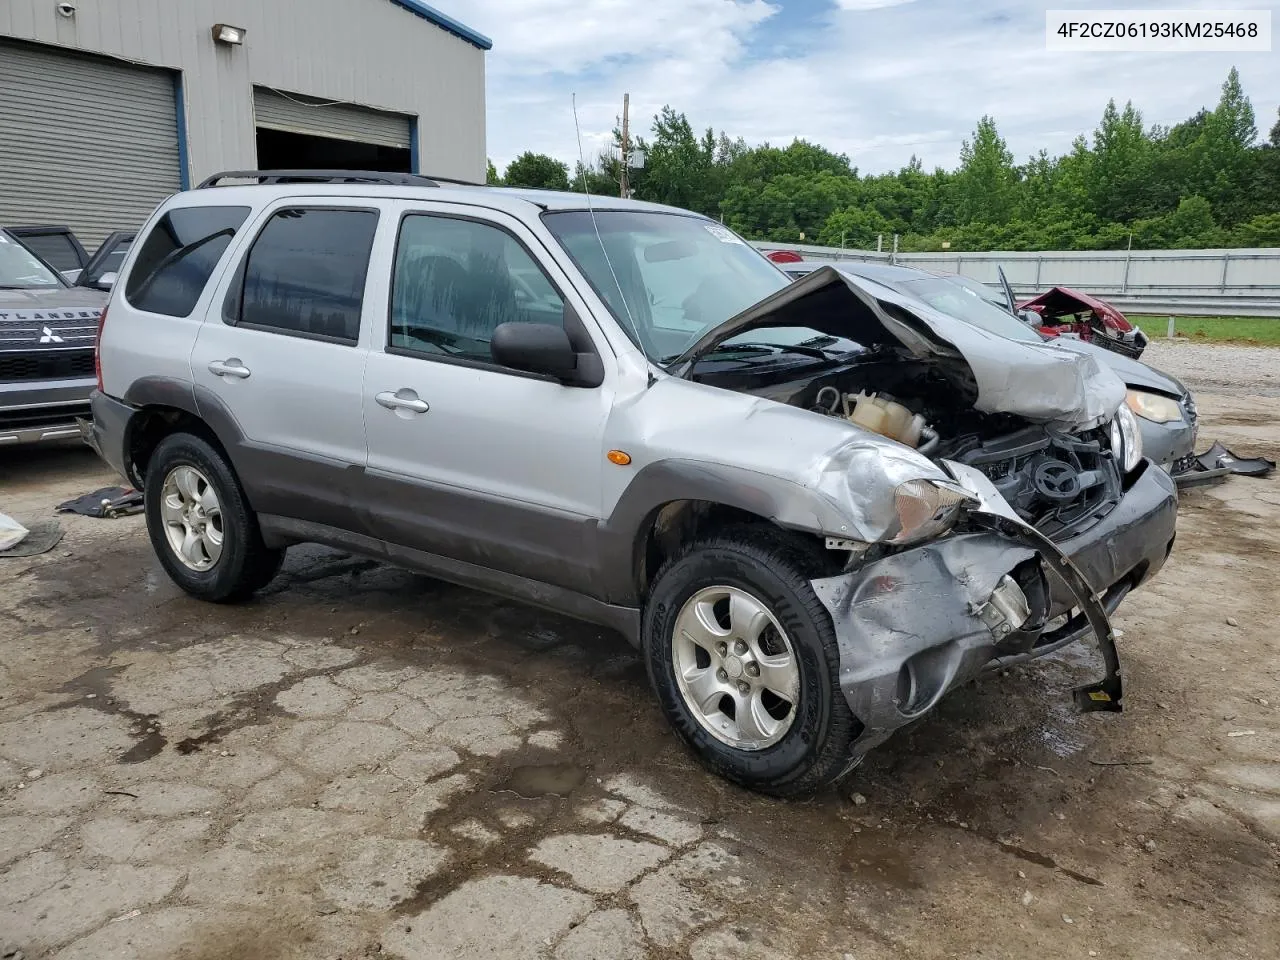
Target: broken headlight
<point x="926" y="509"/>
<point x="1126" y="438"/>
<point x="1153" y="406"/>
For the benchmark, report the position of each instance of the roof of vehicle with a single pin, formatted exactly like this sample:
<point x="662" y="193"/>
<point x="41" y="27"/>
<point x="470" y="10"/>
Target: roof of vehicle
<point x="514" y="200"/>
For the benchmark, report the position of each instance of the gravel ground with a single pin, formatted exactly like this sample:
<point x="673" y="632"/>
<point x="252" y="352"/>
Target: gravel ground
<point x="366" y="763"/>
<point x="1220" y="368"/>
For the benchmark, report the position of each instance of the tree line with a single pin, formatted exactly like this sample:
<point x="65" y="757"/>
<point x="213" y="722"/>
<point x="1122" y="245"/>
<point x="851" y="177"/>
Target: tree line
<point x="1205" y="182"/>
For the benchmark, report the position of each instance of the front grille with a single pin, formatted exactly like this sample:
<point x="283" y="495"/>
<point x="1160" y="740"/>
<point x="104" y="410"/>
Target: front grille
<point x="1027" y="466"/>
<point x="59" y="365"/>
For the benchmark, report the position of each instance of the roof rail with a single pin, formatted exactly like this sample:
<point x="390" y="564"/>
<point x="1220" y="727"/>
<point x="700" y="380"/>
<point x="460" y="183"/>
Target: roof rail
<point x="325" y="176"/>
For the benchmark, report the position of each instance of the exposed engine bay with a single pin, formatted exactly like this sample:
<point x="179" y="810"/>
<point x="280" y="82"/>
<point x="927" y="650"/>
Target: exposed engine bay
<point x="1057" y="481"/>
<point x="990" y="494"/>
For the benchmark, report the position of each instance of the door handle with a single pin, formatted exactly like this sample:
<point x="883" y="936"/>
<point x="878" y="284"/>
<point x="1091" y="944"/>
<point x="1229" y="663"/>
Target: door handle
<point x="231" y="367"/>
<point x="402" y="399"/>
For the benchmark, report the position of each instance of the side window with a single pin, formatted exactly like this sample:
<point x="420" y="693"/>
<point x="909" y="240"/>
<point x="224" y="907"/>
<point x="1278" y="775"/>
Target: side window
<point x="305" y="273"/>
<point x="455" y="281"/>
<point x="55" y="249"/>
<point x="178" y="257"/>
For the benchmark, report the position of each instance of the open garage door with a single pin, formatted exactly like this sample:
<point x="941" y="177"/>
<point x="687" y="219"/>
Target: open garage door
<point x="85" y="141"/>
<point x="295" y="132"/>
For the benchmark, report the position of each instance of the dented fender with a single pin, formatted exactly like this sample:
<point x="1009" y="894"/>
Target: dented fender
<point x="913" y="626"/>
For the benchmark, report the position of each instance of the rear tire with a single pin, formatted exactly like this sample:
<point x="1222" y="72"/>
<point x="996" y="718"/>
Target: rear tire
<point x="765" y="637"/>
<point x="201" y="527"/>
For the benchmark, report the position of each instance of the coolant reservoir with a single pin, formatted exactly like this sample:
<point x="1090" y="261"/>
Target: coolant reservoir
<point x="887" y="418"/>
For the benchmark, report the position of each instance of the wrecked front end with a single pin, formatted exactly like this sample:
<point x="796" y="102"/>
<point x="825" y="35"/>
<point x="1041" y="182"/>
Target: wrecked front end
<point x="914" y="623"/>
<point x="996" y="503"/>
<point x="1068" y="312"/>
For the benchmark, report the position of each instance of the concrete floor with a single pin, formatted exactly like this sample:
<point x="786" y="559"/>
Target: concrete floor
<point x="366" y="763"/>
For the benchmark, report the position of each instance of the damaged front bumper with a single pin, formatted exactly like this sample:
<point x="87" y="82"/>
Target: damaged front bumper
<point x="914" y="625"/>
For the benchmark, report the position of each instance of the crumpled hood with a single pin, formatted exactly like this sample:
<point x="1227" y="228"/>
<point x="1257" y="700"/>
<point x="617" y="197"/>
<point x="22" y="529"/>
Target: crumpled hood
<point x="52" y="298"/>
<point x="1036" y="381"/>
<point x="1133" y="372"/>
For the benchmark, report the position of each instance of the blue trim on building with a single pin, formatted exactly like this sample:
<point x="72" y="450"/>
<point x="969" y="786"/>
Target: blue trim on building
<point x="413" y="144"/>
<point x="180" y="119"/>
<point x="431" y="14"/>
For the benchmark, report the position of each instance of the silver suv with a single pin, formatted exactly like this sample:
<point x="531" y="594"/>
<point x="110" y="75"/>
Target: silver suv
<point x="816" y="507"/>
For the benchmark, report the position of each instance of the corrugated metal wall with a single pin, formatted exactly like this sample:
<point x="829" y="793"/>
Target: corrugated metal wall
<point x="369" y="52"/>
<point x="85" y="142"/>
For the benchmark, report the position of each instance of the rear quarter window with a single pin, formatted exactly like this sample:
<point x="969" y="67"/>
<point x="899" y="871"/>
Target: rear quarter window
<point x="179" y="256"/>
<point x="305" y="274"/>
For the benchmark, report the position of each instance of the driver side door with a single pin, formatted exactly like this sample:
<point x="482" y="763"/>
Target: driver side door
<point x="470" y="460"/>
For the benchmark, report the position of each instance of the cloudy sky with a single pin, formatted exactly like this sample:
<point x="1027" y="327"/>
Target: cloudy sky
<point x="877" y="79"/>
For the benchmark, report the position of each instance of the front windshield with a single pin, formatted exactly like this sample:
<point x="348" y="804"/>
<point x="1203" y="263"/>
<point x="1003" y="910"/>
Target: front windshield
<point x="957" y="300"/>
<point x="20" y="269"/>
<point x="669" y="278"/>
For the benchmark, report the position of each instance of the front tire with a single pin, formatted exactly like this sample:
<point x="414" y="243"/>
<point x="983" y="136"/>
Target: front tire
<point x="744" y="660"/>
<point x="201" y="527"/>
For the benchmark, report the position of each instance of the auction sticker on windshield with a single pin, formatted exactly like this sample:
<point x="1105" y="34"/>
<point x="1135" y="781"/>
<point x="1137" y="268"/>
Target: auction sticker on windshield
<point x="1159" y="31"/>
<point x="720" y="233"/>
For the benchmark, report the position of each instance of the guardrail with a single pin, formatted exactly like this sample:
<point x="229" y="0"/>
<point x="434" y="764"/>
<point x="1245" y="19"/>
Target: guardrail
<point x="1236" y="282"/>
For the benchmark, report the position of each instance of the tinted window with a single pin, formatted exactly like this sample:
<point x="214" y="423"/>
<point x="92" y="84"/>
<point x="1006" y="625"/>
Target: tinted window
<point x="456" y="280"/>
<point x="178" y="257"/>
<point x="306" y="273"/>
<point x="55" y="249"/>
<point x="106" y="262"/>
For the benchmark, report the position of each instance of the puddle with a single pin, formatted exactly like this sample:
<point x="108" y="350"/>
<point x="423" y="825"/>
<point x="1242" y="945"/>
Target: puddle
<point x="93" y="690"/>
<point x="1044" y="860"/>
<point x="554" y="779"/>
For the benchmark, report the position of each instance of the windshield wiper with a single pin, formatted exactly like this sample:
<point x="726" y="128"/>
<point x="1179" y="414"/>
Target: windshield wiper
<point x="807" y="349"/>
<point x="822" y="340"/>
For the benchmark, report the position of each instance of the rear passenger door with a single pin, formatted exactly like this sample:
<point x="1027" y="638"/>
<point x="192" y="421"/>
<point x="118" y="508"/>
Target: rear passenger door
<point x="468" y="459"/>
<point x="280" y="361"/>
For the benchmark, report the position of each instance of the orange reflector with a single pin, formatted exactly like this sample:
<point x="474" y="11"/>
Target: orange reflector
<point x="619" y="457"/>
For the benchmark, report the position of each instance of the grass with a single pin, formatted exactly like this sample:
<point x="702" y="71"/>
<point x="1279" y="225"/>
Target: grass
<point x="1253" y="330"/>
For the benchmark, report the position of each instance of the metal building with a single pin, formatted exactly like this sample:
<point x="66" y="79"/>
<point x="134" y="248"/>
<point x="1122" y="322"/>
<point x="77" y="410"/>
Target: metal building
<point x="108" y="106"/>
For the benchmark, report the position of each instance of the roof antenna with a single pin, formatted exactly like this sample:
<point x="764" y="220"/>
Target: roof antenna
<point x="582" y="166"/>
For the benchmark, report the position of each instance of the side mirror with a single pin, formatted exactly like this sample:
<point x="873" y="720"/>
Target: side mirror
<point x="535" y="348"/>
<point x="108" y="279"/>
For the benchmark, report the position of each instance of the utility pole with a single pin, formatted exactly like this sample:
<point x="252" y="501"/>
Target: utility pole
<point x="626" y="145"/>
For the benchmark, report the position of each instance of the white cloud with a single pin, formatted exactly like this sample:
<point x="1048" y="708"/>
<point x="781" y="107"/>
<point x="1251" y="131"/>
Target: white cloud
<point x="869" y="4"/>
<point x="878" y="79"/>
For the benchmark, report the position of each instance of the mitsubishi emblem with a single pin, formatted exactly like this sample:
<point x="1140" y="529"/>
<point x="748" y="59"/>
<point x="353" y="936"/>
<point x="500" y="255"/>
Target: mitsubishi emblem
<point x="48" y="336"/>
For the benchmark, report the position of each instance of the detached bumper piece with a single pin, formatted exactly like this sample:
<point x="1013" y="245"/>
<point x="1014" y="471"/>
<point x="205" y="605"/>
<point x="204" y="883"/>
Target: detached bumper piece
<point x="1218" y="463"/>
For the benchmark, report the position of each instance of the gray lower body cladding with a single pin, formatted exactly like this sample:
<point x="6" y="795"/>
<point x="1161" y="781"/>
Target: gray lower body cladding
<point x="913" y="626"/>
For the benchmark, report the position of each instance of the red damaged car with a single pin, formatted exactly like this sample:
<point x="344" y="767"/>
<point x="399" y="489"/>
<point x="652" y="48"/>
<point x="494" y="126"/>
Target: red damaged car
<point x="1062" y="310"/>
